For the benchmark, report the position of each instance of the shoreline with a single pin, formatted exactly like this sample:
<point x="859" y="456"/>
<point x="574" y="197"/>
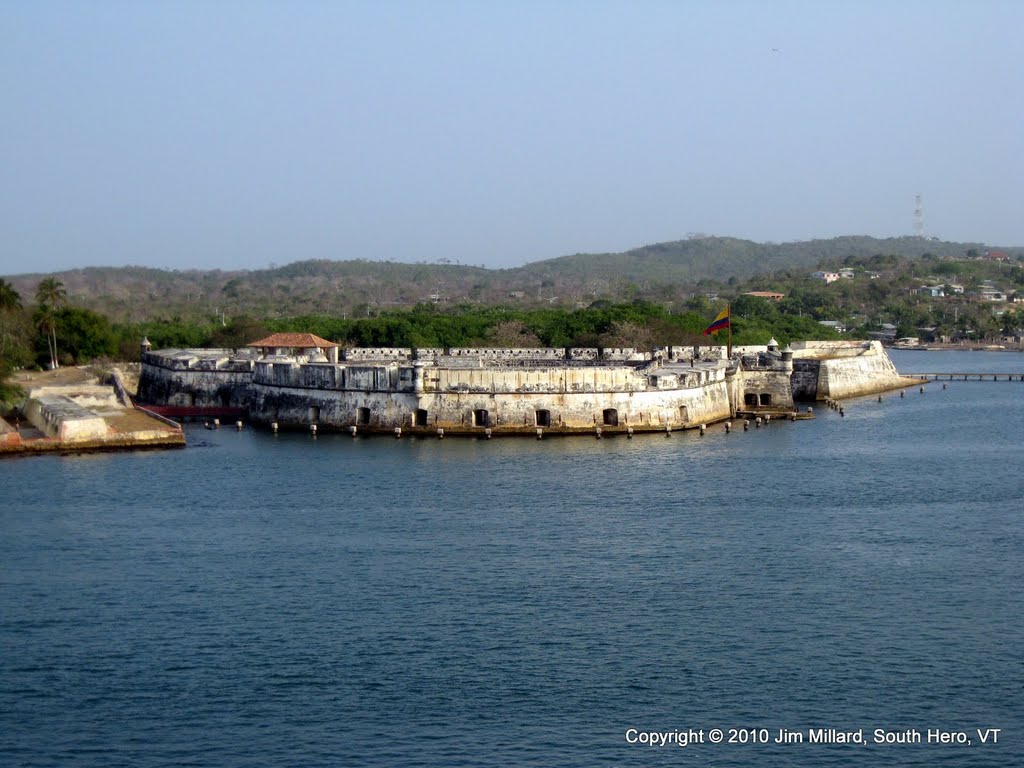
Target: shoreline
<point x="69" y="411"/>
<point x="940" y="347"/>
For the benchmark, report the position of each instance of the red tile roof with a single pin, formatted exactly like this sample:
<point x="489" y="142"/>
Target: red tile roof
<point x="293" y="340"/>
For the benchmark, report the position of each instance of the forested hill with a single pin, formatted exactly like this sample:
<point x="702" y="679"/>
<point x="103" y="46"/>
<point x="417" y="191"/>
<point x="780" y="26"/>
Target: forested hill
<point x="660" y="272"/>
<point x="719" y="258"/>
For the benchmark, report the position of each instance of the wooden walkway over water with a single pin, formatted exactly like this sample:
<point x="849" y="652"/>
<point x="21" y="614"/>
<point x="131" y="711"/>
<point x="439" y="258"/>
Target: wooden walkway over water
<point x="970" y="376"/>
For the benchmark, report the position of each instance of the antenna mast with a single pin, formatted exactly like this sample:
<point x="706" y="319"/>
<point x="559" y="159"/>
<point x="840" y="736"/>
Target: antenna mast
<point x="918" y="217"/>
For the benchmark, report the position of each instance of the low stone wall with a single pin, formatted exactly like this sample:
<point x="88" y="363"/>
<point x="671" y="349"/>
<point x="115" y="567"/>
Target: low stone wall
<point x="9" y="435"/>
<point x="62" y="418"/>
<point x="377" y="353"/>
<point x="117" y="382"/>
<point x="199" y="359"/>
<point x="820" y="350"/>
<point x="86" y="395"/>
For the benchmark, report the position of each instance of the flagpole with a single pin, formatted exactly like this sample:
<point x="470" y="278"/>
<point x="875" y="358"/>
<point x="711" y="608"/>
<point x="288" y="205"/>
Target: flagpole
<point x="729" y="352"/>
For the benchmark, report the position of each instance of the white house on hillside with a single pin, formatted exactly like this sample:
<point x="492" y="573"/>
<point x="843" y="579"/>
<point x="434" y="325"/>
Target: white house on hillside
<point x="828" y="277"/>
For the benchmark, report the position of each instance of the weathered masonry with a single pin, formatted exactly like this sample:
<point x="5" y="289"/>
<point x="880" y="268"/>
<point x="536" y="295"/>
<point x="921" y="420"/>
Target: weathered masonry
<point x="85" y="416"/>
<point x="299" y="380"/>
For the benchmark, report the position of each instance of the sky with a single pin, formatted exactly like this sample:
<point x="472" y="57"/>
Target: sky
<point x="239" y="135"/>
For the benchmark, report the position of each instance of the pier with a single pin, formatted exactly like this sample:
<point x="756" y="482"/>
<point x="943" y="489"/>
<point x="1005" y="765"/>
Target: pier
<point x="970" y="376"/>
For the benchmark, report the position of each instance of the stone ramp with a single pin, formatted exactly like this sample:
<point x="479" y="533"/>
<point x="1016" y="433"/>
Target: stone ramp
<point x="82" y="416"/>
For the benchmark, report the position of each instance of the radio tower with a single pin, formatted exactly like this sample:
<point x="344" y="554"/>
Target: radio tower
<point x="918" y="217"/>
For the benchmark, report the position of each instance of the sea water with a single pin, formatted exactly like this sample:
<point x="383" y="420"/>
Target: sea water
<point x="262" y="600"/>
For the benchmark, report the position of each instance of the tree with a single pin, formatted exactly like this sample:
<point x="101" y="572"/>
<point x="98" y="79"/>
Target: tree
<point x="86" y="335"/>
<point x="51" y="292"/>
<point x="12" y="346"/>
<point x="10" y="299"/>
<point x="50" y="296"/>
<point x="239" y="332"/>
<point x="46" y="321"/>
<point x="11" y="320"/>
<point x="512" y="334"/>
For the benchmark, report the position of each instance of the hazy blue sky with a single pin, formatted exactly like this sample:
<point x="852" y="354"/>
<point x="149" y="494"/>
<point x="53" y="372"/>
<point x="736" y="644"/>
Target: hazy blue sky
<point x="235" y="134"/>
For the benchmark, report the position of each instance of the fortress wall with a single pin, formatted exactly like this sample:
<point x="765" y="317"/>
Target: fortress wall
<point x="838" y="369"/>
<point x="804" y="380"/>
<point x="706" y="351"/>
<point x="534" y="380"/>
<point x="289" y="373"/>
<point x="382" y="354"/>
<point x="504" y="353"/>
<point x="427" y="353"/>
<point x="771" y="390"/>
<point x="462" y="397"/>
<point x="833" y="349"/>
<point x="159" y="385"/>
<point x="201" y="359"/>
<point x="377" y="353"/>
<point x="297" y="407"/>
<point x="564" y="379"/>
<point x="870" y="372"/>
<point x="623" y="353"/>
<point x="380" y="398"/>
<point x="712" y="353"/>
<point x="473" y="411"/>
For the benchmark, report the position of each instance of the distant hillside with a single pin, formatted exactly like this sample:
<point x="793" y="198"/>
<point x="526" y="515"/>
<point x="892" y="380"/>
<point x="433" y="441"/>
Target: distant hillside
<point x="719" y="258"/>
<point x="665" y="272"/>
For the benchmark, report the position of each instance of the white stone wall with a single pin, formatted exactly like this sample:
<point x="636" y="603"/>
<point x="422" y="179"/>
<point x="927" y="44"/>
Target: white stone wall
<point x="508" y="411"/>
<point x="61" y="417"/>
<point x="454" y="391"/>
<point x="550" y="380"/>
<point x="377" y="353"/>
<point x="506" y="353"/>
<point x="86" y="395"/>
<point x="864" y="374"/>
<point x="829" y="349"/>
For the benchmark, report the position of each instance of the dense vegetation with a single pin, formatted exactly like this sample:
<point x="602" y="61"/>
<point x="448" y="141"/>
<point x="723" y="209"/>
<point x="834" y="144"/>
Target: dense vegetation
<point x="638" y="299"/>
<point x="887" y="289"/>
<point x="664" y="273"/>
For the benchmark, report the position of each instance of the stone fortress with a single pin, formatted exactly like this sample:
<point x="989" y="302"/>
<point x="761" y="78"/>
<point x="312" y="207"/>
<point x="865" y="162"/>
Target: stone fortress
<point x="298" y="380"/>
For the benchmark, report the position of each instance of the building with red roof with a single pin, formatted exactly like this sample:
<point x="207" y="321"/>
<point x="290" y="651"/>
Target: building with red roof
<point x="296" y="343"/>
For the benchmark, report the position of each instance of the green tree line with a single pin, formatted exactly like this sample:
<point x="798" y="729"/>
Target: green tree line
<point x="51" y="332"/>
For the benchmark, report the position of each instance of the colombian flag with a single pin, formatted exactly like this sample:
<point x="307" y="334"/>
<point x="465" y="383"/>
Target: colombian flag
<point x="722" y="321"/>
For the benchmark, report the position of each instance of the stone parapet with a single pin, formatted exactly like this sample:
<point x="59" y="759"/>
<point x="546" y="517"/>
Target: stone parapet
<point x="60" y="417"/>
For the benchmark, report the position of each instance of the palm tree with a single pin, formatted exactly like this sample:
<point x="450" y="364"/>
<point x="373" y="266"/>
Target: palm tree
<point x="51" y="291"/>
<point x="50" y="296"/>
<point x="10" y="302"/>
<point x="9" y="298"/>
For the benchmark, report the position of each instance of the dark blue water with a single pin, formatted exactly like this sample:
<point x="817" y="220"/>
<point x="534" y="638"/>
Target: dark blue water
<point x="269" y="601"/>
